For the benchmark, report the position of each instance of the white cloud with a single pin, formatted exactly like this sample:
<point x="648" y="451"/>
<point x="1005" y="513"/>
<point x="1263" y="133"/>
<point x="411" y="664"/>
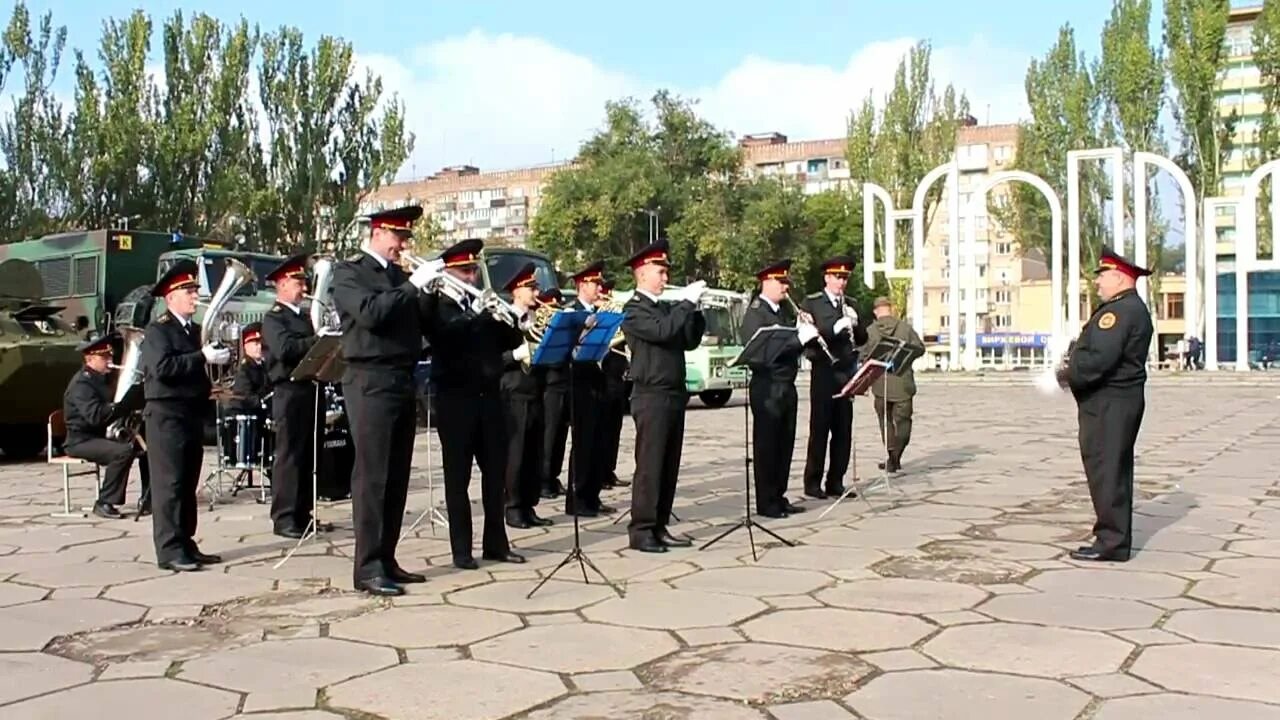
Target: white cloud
<point x="502" y="101"/>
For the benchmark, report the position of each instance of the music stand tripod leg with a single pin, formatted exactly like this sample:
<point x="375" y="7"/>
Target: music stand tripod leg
<point x="312" y="530"/>
<point x="431" y="510"/>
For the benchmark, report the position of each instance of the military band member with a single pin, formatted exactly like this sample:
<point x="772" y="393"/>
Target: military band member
<point x="555" y="412"/>
<point x="587" y="470"/>
<point x="773" y="392"/>
<point x="522" y="403"/>
<point x="88" y="411"/>
<point x="178" y="392"/>
<point x="658" y="335"/>
<point x="250" y="383"/>
<point x="613" y="407"/>
<point x="829" y="417"/>
<point x="288" y="336"/>
<point x="1107" y="375"/>
<point x="383" y="314"/>
<point x="466" y="367"/>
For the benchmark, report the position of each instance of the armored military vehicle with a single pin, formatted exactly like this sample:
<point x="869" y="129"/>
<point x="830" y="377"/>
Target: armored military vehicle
<point x="37" y="359"/>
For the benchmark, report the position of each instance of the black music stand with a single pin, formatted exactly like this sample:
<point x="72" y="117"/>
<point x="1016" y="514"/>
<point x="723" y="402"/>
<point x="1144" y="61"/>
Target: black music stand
<point x="765" y="345"/>
<point x="322" y="364"/>
<point x="869" y="372"/>
<point x="586" y="337"/>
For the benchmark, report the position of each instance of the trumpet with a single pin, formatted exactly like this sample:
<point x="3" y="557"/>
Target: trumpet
<point x="465" y="293"/>
<point x="805" y="317"/>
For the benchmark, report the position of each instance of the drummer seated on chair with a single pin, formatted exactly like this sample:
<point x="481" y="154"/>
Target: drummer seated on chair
<point x="250" y="384"/>
<point x="88" y="412"/>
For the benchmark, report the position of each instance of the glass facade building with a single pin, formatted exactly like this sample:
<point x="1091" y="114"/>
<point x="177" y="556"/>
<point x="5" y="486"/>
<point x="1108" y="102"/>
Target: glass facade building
<point x="1264" y="316"/>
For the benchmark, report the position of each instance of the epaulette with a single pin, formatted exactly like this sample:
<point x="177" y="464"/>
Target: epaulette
<point x="355" y="258"/>
<point x="165" y="317"/>
<point x="275" y="308"/>
<point x="813" y="296"/>
<point x="755" y="304"/>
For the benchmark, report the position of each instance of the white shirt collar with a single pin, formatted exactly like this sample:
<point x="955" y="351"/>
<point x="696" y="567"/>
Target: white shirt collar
<point x="833" y="298"/>
<point x="184" y="322"/>
<point x="381" y="260"/>
<point x="297" y="310"/>
<point x="647" y="294"/>
<point x="772" y="305"/>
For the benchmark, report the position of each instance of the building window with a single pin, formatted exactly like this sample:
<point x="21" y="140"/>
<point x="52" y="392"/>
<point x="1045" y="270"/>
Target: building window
<point x="945" y="321"/>
<point x="1004" y="248"/>
<point x="1004" y="297"/>
<point x="1172" y="307"/>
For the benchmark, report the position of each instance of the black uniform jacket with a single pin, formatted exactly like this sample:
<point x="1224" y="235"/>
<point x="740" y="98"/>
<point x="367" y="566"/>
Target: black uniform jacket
<point x="782" y="362"/>
<point x="249" y="385"/>
<point x="1111" y="352"/>
<point x="844" y="346"/>
<point x="86" y="407"/>
<point x="468" y="349"/>
<point x="173" y="363"/>
<point x="384" y="316"/>
<point x="658" y="335"/>
<point x="287" y="336"/>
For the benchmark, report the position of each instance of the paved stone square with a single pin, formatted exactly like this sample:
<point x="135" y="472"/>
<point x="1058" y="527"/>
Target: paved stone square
<point x="947" y="597"/>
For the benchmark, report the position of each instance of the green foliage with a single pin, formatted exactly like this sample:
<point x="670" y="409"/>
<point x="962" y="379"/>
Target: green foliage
<point x="1266" y="55"/>
<point x="1194" y="35"/>
<point x="190" y="151"/>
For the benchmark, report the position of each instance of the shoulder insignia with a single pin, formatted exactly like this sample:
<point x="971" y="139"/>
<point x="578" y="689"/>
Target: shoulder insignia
<point x="813" y="296"/>
<point x="275" y="308"/>
<point x="164" y="318"/>
<point x="355" y="257"/>
<point x="1107" y="321"/>
<point x="755" y="304"/>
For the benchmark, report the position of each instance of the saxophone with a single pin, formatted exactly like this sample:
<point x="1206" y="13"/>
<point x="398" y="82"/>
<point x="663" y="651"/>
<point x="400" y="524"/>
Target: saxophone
<point x="213" y="327"/>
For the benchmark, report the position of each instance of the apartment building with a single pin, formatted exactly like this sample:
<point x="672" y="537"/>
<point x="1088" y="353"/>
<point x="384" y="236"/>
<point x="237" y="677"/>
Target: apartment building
<point x="818" y="164"/>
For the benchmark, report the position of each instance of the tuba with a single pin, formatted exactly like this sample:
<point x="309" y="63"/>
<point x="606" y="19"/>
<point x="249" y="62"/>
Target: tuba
<point x="129" y="374"/>
<point x="323" y="315"/>
<point x="214" y="327"/>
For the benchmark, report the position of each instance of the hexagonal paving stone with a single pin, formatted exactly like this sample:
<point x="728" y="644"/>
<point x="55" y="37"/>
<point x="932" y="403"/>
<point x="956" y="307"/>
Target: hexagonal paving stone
<point x="968" y="570"/>
<point x="555" y="596"/>
<point x="1184" y="707"/>
<point x="1110" y="583"/>
<point x="1242" y="673"/>
<point x="1028" y="532"/>
<point x="1252" y="591"/>
<point x="150" y="699"/>
<point x="95" y="574"/>
<point x="821" y="559"/>
<point x="1231" y="627"/>
<point x="959" y="695"/>
<point x="305" y="663"/>
<point x="33" y="539"/>
<point x="32" y="626"/>
<point x="994" y="549"/>
<point x="30" y="674"/>
<point x="15" y="594"/>
<point x="426" y="626"/>
<point x="662" y="609"/>
<point x="833" y="629"/>
<point x="1028" y="650"/>
<point x="190" y="588"/>
<point x="1076" y="611"/>
<point x="754" y="581"/>
<point x="576" y="648"/>
<point x="902" y="595"/>
<point x="1260" y="548"/>
<point x="757" y="673"/>
<point x="455" y="690"/>
<point x="644" y="704"/>
<point x="296" y="715"/>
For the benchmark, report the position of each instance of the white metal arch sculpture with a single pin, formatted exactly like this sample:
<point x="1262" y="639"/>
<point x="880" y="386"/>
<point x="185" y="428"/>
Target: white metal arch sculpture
<point x="1247" y="260"/>
<point x="1191" y="304"/>
<point x="978" y="201"/>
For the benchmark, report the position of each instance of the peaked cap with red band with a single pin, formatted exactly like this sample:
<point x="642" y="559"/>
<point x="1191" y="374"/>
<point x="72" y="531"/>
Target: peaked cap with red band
<point x="1109" y="260"/>
<point x="525" y="277"/>
<point x="180" y="277"/>
<point x="400" y="219"/>
<point x="97" y="346"/>
<point x="780" y="271"/>
<point x="607" y="286"/>
<point x="591" y="273"/>
<point x="251" y="332"/>
<point x="293" y="267"/>
<point x="838" y="265"/>
<point x="462" y="254"/>
<point x="655" y="253"/>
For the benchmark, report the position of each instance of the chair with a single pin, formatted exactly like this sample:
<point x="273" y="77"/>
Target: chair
<point x="55" y="435"/>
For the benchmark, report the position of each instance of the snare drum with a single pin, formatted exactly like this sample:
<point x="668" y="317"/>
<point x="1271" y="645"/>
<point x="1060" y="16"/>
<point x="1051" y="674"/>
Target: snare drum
<point x="241" y="442"/>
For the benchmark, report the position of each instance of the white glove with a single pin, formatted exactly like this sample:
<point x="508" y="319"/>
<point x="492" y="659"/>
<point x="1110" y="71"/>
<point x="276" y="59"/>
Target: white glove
<point x="693" y="291"/>
<point x="843" y="325"/>
<point x="851" y="314"/>
<point x="329" y="332"/>
<point x="807" y="332"/>
<point x="216" y="355"/>
<point x="526" y="322"/>
<point x="426" y="272"/>
<point x="521" y="353"/>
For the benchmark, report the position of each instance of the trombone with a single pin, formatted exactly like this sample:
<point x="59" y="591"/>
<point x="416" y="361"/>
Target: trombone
<point x="459" y="290"/>
<point x="803" y="316"/>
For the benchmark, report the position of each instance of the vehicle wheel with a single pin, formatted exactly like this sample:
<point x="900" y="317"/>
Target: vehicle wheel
<point x="715" y="398"/>
<point x="22" y="442"/>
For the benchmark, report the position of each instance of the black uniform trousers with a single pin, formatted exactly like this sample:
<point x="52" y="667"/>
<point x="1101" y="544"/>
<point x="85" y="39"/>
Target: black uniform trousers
<point x="117" y="457"/>
<point x="1109" y="422"/>
<point x="612" y="411"/>
<point x="555" y="433"/>
<point x="523" y="469"/>
<point x="895" y="425"/>
<point x="293" y="408"/>
<point x="175" y="452"/>
<point x="831" y="417"/>
<point x="773" y="436"/>
<point x="383" y="410"/>
<point x="659" y="417"/>
<point x="586" y="460"/>
<point x="473" y="427"/>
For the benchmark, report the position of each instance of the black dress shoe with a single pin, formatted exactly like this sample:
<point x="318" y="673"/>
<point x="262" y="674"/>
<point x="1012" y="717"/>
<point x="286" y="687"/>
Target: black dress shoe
<point x="107" y="511"/>
<point x="792" y="508"/>
<point x="648" y="544"/>
<point x="532" y="518"/>
<point x="1096" y="555"/>
<point x="379" y="586"/>
<point x="180" y="565"/>
<point x="465" y="563"/>
<point x="835" y="490"/>
<point x="670" y="540"/>
<point x="508" y="557"/>
<point x="204" y="559"/>
<point x="518" y="520"/>
<point x="581" y="512"/>
<point x="606" y="509"/>
<point x="815" y="493"/>
<point x="775" y="513"/>
<point x="404" y="577"/>
<point x="292" y="533"/>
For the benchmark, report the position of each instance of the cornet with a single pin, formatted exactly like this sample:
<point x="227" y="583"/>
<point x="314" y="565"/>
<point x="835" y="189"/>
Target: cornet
<point x="465" y="293"/>
<point x="803" y="316"/>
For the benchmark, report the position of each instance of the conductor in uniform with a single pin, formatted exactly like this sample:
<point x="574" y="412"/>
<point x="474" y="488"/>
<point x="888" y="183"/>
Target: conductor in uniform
<point x="88" y="412"/>
<point x="289" y="336"/>
<point x="831" y="417"/>
<point x="383" y="313"/>
<point x="178" y="392"/>
<point x="522" y="403"/>
<point x="467" y="345"/>
<point x="1107" y="375"/>
<point x="772" y="392"/>
<point x="658" y="335"/>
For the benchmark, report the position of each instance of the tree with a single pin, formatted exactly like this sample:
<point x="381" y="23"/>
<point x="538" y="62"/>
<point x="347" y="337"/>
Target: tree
<point x="1266" y="55"/>
<point x="1194" y="41"/>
